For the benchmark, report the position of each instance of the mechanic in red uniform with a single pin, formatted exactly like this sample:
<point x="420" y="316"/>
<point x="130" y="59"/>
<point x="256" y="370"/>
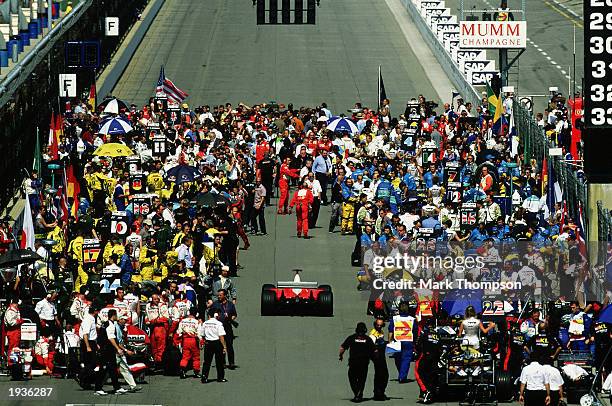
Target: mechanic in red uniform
<point x="157" y="320"/>
<point x="283" y="184"/>
<point x="5" y="236"/>
<point x="324" y="144"/>
<point x="12" y="326"/>
<point x="188" y="332"/>
<point x="261" y="148"/>
<point x="302" y="200"/>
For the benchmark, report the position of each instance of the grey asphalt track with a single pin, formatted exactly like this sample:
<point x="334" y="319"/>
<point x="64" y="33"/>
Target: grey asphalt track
<point x="214" y="50"/>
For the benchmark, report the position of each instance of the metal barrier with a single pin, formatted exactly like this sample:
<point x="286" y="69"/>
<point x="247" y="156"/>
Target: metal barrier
<point x="604" y="227"/>
<point x="535" y="144"/>
<point x="466" y="90"/>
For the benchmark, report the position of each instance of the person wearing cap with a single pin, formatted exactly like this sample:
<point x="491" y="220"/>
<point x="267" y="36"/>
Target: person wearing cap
<point x="156" y="317"/>
<point x="5" y="236"/>
<point x="361" y="349"/>
<point x="221" y="282"/>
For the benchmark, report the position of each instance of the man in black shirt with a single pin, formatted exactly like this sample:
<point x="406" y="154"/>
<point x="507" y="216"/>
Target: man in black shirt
<point x="543" y="346"/>
<point x="266" y="168"/>
<point x="336" y="202"/>
<point x="361" y="352"/>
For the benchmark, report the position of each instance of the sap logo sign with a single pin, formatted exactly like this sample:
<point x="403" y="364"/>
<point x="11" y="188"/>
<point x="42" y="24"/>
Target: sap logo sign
<point x="471" y="56"/>
<point x="451" y="36"/>
<point x="481" y="78"/>
<point x="480" y="66"/>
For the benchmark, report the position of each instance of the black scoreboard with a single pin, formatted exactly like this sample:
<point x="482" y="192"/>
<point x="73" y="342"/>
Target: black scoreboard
<point x="598" y="90"/>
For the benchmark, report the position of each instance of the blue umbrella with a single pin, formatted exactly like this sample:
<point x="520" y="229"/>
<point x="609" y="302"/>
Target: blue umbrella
<point x="115" y="125"/>
<point x="342" y="124"/>
<point x="183" y="173"/>
<point x="605" y="316"/>
<point x="457" y="301"/>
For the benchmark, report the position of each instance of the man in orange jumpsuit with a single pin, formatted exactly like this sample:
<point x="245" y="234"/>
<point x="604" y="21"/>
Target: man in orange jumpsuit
<point x="157" y="320"/>
<point x="188" y="331"/>
<point x="12" y="326"/>
<point x="302" y="200"/>
<point x="283" y="184"/>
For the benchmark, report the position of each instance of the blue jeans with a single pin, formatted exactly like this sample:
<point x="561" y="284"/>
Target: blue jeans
<point x="403" y="360"/>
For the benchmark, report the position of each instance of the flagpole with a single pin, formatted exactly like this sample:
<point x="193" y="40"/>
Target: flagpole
<point x="379" y="75"/>
<point x="574" y="60"/>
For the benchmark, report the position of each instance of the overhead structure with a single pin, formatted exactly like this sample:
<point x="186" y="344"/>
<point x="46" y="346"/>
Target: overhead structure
<point x="290" y="12"/>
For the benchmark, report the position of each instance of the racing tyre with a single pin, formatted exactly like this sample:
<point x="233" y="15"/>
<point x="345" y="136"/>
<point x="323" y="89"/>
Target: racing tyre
<point x="268" y="301"/>
<point x="267" y="286"/>
<point x="504" y="386"/>
<point x="326" y="304"/>
<point x="325" y="288"/>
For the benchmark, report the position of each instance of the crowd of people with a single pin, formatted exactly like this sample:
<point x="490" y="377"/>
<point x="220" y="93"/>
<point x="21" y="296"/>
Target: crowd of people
<point x="151" y="237"/>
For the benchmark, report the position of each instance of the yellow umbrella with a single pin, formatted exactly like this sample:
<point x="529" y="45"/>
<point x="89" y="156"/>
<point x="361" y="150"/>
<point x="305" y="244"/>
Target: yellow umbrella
<point x="113" y="150"/>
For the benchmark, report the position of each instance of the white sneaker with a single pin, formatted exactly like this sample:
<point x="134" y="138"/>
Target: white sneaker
<point x="135" y="388"/>
<point x="121" y="391"/>
<point x="461" y="372"/>
<point x="100" y="393"/>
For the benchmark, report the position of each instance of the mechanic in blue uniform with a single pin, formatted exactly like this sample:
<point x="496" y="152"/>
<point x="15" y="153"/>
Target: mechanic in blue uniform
<point x="403" y="328"/>
<point x="361" y="349"/>
<point x="381" y="373"/>
<point x="530" y="326"/>
<point x="384" y="190"/>
<point x="578" y="328"/>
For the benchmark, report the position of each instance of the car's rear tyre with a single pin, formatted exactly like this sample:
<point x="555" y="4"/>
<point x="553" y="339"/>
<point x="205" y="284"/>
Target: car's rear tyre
<point x="268" y="302"/>
<point x="326" y="303"/>
<point x="504" y="386"/>
<point x="267" y="286"/>
<point x="325" y="288"/>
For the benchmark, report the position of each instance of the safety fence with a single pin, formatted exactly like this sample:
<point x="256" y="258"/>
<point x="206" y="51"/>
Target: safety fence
<point x="604" y="228"/>
<point x="535" y="145"/>
<point x="31" y="103"/>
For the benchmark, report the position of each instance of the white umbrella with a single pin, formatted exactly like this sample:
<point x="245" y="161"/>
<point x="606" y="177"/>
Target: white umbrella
<point x="112" y="107"/>
<point x="115" y="125"/>
<point x="342" y="124"/>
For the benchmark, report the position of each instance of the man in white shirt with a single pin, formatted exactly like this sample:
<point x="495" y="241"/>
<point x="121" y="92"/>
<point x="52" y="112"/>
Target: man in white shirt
<point x="89" y="347"/>
<point x="555" y="381"/>
<point x="184" y="252"/>
<point x="535" y="386"/>
<point x="213" y="334"/>
<point x="315" y="188"/>
<point x="48" y="315"/>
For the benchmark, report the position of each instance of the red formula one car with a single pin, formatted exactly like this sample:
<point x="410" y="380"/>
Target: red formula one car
<point x="297" y="298"/>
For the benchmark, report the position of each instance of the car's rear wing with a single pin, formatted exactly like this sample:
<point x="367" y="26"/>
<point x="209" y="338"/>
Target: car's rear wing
<point x="297" y="285"/>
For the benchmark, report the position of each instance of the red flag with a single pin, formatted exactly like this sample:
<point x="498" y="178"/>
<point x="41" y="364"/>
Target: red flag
<point x="53" y="143"/>
<point x="577" y="113"/>
<point x="73" y="189"/>
<point x="27" y="230"/>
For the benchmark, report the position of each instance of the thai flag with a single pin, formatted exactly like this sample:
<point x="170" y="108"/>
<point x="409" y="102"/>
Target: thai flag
<point x="166" y="86"/>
